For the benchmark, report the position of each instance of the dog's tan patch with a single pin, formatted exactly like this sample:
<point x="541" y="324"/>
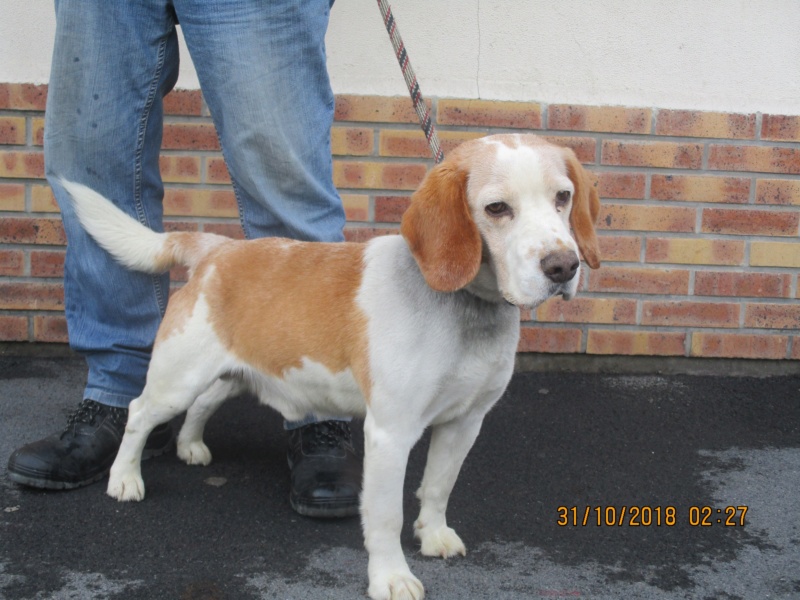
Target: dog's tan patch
<point x="274" y="302"/>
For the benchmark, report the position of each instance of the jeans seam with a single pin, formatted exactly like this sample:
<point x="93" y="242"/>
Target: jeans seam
<point x="138" y="169"/>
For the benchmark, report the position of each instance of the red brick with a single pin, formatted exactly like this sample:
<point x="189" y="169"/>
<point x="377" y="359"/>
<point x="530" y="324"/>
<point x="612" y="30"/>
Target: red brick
<point x="217" y="171"/>
<point x="12" y="263"/>
<point x="180" y="169"/>
<point x="588" y="310"/>
<point x="378" y="175"/>
<point x="780" y="128"/>
<point x="621" y="185"/>
<point x="356" y="207"/>
<point x="690" y="314"/>
<point x="650" y="343"/>
<point x="47" y="264"/>
<point x="700" y="188"/>
<point x="691" y="123"/>
<point x="772" y="316"/>
<point x="795" y="348"/>
<point x="742" y="285"/>
<point x="50" y="329"/>
<point x="411" y="143"/>
<point x="490" y="113"/>
<point x="613" y="119"/>
<point x="584" y="148"/>
<point x="32" y="231"/>
<point x="694" y="251"/>
<point x="402" y="176"/>
<point x="378" y="109"/>
<point x="12" y="130"/>
<point x="180" y="226"/>
<point x="190" y="136"/>
<point x="352" y="141"/>
<point x="231" y="230"/>
<point x="200" y="202"/>
<point x="27" y="165"/>
<point x="365" y="234"/>
<point x="23" y="96"/>
<point x="12" y="197"/>
<point x="390" y="209"/>
<point x="37" y="125"/>
<point x="764" y="159"/>
<point x="31" y="296"/>
<point x="775" y="254"/>
<point x="620" y="248"/>
<point x="735" y="345"/>
<point x="43" y="200"/>
<point x="629" y="280"/>
<point x="630" y="217"/>
<point x="750" y="222"/>
<point x="670" y="155"/>
<point x="783" y="192"/>
<point x="541" y="339"/>
<point x="13" y="329"/>
<point x="184" y="102"/>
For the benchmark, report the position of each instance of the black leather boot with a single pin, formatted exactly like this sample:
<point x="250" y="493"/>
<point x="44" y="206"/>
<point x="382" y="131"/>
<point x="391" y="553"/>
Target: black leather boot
<point x="326" y="472"/>
<point x="84" y="452"/>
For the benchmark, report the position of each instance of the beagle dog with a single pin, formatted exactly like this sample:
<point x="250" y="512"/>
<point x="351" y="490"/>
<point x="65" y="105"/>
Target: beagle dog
<point x="405" y="331"/>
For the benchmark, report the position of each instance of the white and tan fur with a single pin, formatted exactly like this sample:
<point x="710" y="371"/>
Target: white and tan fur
<point x="405" y="331"/>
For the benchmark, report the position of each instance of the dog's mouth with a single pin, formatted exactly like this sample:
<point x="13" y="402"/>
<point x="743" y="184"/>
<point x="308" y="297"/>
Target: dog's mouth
<point x="556" y="289"/>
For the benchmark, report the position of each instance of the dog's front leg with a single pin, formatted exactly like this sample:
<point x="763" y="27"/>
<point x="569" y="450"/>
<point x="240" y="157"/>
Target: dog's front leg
<point x="386" y="452"/>
<point x="450" y="443"/>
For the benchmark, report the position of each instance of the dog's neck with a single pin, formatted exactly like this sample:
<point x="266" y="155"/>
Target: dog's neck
<point x="484" y="286"/>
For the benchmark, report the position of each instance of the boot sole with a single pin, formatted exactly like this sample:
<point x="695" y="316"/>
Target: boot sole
<point x="51" y="484"/>
<point x="324" y="512"/>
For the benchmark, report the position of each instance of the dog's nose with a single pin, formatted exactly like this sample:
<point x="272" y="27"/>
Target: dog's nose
<point x="561" y="265"/>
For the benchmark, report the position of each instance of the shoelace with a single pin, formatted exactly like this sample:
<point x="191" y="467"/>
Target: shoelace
<point x="88" y="411"/>
<point x="329" y="433"/>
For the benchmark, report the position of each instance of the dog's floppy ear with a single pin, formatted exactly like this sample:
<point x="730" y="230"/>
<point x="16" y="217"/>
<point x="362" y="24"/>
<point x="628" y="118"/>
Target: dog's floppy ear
<point x="585" y="209"/>
<point x="440" y="230"/>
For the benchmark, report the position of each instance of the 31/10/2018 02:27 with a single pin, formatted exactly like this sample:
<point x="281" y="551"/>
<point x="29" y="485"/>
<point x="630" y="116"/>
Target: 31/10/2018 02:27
<point x="647" y="516"/>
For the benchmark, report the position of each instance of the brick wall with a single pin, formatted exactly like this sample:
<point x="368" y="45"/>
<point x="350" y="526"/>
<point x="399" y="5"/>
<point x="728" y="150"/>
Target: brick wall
<point x="699" y="227"/>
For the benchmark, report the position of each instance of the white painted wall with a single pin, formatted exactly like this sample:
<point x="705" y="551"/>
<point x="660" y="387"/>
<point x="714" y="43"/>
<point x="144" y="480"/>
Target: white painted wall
<point x="725" y="55"/>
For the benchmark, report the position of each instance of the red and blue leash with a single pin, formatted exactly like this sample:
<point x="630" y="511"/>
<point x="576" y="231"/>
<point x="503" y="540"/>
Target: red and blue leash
<point x="424" y="114"/>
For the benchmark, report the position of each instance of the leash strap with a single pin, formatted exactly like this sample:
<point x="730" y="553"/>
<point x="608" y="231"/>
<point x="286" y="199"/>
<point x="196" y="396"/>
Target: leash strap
<point x="411" y="81"/>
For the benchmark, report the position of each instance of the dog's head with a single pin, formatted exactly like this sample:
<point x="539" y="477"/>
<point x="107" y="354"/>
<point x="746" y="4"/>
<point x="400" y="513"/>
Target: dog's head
<point x="505" y="203"/>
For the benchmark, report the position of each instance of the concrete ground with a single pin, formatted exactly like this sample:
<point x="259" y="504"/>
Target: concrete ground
<point x="662" y="446"/>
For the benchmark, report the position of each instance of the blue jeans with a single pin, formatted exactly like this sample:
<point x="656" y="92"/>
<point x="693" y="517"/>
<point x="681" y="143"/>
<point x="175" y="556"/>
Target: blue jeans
<point x="261" y="66"/>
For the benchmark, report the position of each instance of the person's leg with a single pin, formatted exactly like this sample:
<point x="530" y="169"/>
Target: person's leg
<point x="112" y="65"/>
<point x="263" y="73"/>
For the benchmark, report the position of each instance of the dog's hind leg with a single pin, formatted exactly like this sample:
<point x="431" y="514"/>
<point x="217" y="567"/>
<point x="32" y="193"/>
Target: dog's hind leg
<point x="191" y="448"/>
<point x="125" y="479"/>
<point x="172" y="385"/>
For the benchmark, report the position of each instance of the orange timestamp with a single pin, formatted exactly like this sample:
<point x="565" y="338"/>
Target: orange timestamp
<point x="650" y="516"/>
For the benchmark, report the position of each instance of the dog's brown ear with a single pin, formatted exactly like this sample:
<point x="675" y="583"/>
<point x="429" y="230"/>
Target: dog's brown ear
<point x="440" y="230"/>
<point x="585" y="209"/>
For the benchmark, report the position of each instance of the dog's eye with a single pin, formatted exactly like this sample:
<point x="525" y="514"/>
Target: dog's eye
<point x="562" y="198"/>
<point x="498" y="209"/>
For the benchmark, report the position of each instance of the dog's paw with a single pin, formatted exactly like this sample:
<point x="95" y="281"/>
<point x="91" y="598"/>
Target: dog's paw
<point x="126" y="488"/>
<point x="398" y="585"/>
<point x="441" y="541"/>
<point x="194" y="453"/>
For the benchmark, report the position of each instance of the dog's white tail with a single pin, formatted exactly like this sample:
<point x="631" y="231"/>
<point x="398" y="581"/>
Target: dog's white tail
<point x="131" y="243"/>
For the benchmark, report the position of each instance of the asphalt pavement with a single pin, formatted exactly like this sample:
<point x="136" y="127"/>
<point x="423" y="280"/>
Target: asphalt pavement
<point x="705" y="467"/>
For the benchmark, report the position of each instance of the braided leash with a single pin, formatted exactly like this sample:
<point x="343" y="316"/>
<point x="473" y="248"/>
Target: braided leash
<point x="411" y="81"/>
